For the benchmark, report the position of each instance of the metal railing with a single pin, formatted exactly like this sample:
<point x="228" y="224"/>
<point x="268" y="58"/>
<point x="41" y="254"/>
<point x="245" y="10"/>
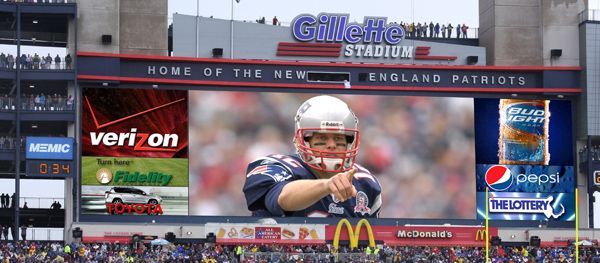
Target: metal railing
<point x="589" y="15"/>
<point x="305" y="257"/>
<point x="28" y="103"/>
<point x="40" y="202"/>
<point x="41" y="234"/>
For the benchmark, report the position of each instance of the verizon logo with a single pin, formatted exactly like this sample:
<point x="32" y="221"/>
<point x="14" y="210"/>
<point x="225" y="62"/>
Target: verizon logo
<point x="140" y="141"/>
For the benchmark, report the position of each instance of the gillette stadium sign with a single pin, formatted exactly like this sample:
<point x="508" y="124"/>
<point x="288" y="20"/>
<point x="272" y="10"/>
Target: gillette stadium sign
<point x="324" y="34"/>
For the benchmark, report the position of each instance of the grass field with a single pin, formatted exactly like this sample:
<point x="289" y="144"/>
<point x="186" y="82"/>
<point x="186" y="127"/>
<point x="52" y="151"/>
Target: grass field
<point x="178" y="168"/>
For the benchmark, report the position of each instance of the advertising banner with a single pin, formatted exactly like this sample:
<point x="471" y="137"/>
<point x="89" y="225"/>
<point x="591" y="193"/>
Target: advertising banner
<point x="136" y="186"/>
<point x="49" y="148"/>
<point x="135" y="152"/>
<point x="407" y="235"/>
<point x="135" y="123"/>
<point x="527" y="206"/>
<point x="524" y="155"/>
<point x="254" y="233"/>
<point x="525" y="178"/>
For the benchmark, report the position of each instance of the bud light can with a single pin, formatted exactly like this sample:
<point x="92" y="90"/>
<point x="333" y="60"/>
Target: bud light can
<point x="524" y="132"/>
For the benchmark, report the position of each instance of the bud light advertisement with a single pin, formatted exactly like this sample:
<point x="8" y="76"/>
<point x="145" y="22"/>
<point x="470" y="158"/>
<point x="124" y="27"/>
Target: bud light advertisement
<point x="524" y="155"/>
<point x="529" y="132"/>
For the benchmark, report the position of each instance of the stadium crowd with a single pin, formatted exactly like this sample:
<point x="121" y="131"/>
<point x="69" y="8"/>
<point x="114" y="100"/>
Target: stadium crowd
<point x="27" y="251"/>
<point x="38" y="102"/>
<point x="35" y="61"/>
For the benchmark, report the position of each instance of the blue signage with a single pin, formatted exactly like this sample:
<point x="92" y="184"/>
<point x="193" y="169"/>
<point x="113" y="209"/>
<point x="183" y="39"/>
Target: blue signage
<point x="527" y="206"/>
<point x="335" y="28"/>
<point x="525" y="178"/>
<point x="49" y="148"/>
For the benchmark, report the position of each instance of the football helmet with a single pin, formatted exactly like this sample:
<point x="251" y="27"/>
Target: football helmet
<point x="326" y="114"/>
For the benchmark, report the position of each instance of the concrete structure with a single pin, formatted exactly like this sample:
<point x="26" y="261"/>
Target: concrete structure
<point x="135" y="28"/>
<point x="522" y="32"/>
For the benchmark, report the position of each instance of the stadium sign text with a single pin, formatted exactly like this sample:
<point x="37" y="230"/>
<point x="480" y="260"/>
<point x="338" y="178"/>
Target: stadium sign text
<point x="525" y="205"/>
<point x="375" y="38"/>
<point x="153" y="178"/>
<point x="50" y="148"/>
<point x="121" y="208"/>
<point x="145" y="142"/>
<point x="423" y="234"/>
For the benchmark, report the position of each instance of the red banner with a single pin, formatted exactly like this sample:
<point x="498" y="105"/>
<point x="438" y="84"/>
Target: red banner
<point x="418" y="235"/>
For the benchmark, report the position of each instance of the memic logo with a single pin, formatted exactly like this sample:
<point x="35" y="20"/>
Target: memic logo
<point x="49" y="148"/>
<point x="155" y="142"/>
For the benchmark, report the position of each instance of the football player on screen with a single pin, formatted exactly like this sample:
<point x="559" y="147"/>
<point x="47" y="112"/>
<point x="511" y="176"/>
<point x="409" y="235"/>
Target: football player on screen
<point x="322" y="180"/>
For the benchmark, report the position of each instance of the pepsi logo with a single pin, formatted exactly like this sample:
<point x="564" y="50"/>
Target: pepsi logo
<point x="498" y="178"/>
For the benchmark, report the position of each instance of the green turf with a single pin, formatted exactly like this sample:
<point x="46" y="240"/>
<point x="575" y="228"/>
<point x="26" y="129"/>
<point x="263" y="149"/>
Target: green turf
<point x="176" y="167"/>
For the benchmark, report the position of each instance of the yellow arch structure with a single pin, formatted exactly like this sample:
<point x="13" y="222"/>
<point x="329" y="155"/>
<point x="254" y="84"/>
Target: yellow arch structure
<point x="353" y="234"/>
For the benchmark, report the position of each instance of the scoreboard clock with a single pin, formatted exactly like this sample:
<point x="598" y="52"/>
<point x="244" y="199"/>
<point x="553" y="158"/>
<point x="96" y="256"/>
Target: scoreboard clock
<point x="49" y="168"/>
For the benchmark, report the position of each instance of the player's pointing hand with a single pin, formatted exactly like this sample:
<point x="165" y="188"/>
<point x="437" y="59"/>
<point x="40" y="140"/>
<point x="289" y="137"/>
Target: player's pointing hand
<point x="340" y="185"/>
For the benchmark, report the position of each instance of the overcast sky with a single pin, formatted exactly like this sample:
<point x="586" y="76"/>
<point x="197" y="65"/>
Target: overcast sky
<point x="442" y="11"/>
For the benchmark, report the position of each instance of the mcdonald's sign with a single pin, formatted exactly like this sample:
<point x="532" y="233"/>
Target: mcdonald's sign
<point x="353" y="233"/>
<point x="480" y="235"/>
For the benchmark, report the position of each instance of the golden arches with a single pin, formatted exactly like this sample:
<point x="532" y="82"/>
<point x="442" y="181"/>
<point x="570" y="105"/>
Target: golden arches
<point x="353" y="234"/>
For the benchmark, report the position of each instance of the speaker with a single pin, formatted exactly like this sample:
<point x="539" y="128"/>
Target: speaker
<point x="106" y="39"/>
<point x="472" y="60"/>
<point x="362" y="76"/>
<point x="555" y="52"/>
<point x="496" y="241"/>
<point x="535" y="241"/>
<point x="211" y="238"/>
<point x="77" y="232"/>
<point x="169" y="236"/>
<point x="217" y="52"/>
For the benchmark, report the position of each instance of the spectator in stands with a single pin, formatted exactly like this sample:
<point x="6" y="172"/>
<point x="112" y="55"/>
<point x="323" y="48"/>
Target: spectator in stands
<point x="458" y="30"/>
<point x="48" y="61"/>
<point x="275" y="20"/>
<point x="57" y="61"/>
<point x="5" y="229"/>
<point x="436" y="30"/>
<point x="443" y="31"/>
<point x="3" y="198"/>
<point x="11" y="61"/>
<point x="23" y="232"/>
<point x="464" y="30"/>
<point x="12" y="201"/>
<point x="70" y="101"/>
<point x="68" y="61"/>
<point x="25" y="206"/>
<point x="431" y="28"/>
<point x="42" y="102"/>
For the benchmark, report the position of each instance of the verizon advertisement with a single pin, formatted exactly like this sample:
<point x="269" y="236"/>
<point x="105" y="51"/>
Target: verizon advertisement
<point x="281" y="233"/>
<point x="135" y="152"/>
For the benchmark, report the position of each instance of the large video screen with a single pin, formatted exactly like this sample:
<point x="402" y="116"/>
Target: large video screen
<point x="525" y="159"/>
<point x="229" y="153"/>
<point x="418" y="153"/>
